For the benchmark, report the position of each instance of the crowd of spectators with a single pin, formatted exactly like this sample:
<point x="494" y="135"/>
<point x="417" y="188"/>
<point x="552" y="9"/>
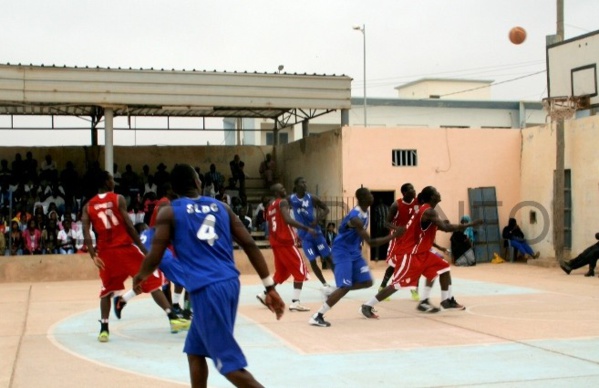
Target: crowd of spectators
<point x="40" y="205"/>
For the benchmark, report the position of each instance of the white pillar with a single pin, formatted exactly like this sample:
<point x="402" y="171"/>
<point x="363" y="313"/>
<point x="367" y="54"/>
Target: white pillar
<point x="108" y="140"/>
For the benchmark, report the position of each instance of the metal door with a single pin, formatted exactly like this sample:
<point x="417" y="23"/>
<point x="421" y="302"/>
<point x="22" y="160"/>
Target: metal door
<point x="483" y="205"/>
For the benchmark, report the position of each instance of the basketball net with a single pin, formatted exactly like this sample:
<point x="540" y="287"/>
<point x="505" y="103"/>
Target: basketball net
<point x="562" y="108"/>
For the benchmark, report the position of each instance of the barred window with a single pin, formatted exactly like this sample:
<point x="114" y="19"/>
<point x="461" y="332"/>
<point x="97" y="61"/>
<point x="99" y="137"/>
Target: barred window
<point x="402" y="158"/>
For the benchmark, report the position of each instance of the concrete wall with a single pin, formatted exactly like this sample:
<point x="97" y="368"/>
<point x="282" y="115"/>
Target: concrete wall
<point x="317" y="159"/>
<point x="452" y="160"/>
<point x="538" y="166"/>
<point x="48" y="268"/>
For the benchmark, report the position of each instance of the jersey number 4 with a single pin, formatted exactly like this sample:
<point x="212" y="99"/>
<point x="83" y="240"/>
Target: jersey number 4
<point x="207" y="230"/>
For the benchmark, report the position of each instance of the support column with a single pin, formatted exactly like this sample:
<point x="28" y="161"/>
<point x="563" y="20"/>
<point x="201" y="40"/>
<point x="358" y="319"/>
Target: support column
<point x="238" y="129"/>
<point x="305" y="129"/>
<point x="108" y="140"/>
<point x="344" y="117"/>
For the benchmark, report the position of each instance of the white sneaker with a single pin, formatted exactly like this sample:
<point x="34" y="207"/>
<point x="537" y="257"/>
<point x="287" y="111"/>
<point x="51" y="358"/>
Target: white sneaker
<point x="296" y="306"/>
<point x="261" y="297"/>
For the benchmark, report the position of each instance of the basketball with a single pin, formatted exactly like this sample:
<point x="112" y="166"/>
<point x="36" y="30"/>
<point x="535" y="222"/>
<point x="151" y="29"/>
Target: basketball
<point x="517" y="35"/>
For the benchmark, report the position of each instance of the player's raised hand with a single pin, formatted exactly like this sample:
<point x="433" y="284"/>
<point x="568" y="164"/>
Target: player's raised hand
<point x="274" y="302"/>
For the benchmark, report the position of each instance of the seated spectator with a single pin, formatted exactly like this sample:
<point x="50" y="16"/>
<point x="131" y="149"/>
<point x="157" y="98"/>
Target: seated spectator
<point x="50" y="238"/>
<point x="150" y="186"/>
<point x="55" y="198"/>
<point x="461" y="246"/>
<point x="330" y="234"/>
<point x="3" y="229"/>
<point x="514" y="235"/>
<point x="32" y="239"/>
<point x="223" y="196"/>
<point x="236" y="205"/>
<point x="66" y="239"/>
<point x="209" y="190"/>
<point x="588" y="257"/>
<point x="16" y="238"/>
<point x="245" y="220"/>
<point x="267" y="171"/>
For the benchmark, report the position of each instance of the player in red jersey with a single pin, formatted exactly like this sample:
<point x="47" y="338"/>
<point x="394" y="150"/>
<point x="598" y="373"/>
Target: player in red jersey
<point x="288" y="259"/>
<point x="166" y="195"/>
<point x="418" y="239"/>
<point x="399" y="214"/>
<point x="119" y="254"/>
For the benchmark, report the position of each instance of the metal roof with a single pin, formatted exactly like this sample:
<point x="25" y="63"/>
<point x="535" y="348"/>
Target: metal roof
<point x="76" y="91"/>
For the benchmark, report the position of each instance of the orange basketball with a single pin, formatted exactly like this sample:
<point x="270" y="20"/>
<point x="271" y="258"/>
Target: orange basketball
<point x="517" y="35"/>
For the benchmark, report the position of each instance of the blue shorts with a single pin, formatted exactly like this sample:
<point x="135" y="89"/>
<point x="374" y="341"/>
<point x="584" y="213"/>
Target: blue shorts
<point x="171" y="267"/>
<point x="315" y="246"/>
<point x="349" y="272"/>
<point x="211" y="331"/>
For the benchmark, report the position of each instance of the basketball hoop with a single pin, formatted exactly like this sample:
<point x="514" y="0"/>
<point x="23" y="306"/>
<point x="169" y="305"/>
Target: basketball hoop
<point x="563" y="108"/>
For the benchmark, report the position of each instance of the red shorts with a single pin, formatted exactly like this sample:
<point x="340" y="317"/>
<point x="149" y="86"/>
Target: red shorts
<point x="409" y="268"/>
<point x="289" y="262"/>
<point x="121" y="263"/>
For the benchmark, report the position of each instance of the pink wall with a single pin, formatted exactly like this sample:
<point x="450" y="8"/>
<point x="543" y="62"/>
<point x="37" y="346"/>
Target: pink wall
<point x="452" y="160"/>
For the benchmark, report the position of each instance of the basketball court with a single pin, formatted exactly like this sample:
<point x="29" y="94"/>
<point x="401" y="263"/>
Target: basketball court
<point x="524" y="326"/>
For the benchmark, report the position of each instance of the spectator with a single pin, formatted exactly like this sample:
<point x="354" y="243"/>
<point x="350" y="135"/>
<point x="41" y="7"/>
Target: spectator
<point x="69" y="178"/>
<point x="48" y="172"/>
<point x="145" y="174"/>
<point x="162" y="176"/>
<point x="267" y="171"/>
<point x="17" y="166"/>
<point x="245" y="220"/>
<point x="117" y="178"/>
<point x="30" y="167"/>
<point x="330" y="234"/>
<point x="129" y="183"/>
<point x="32" y="238"/>
<point x="16" y="238"/>
<point x="2" y="235"/>
<point x="209" y="190"/>
<point x="150" y="186"/>
<point x="588" y="257"/>
<point x="200" y="175"/>
<point x="5" y="173"/>
<point x="260" y="215"/>
<point x="237" y="173"/>
<point x="66" y="239"/>
<point x="223" y="196"/>
<point x="217" y="178"/>
<point x="461" y="246"/>
<point x="55" y="198"/>
<point x="50" y="238"/>
<point x="514" y="235"/>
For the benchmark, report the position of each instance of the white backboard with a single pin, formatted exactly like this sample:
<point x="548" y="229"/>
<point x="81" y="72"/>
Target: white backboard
<point x="572" y="68"/>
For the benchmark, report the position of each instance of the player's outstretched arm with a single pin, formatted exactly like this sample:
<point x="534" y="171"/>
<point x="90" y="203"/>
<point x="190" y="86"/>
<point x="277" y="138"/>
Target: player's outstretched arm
<point x="431" y="215"/>
<point x="247" y="243"/>
<point x="357" y="223"/>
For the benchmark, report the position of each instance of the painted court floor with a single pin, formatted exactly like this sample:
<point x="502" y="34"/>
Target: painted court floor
<point x="525" y="326"/>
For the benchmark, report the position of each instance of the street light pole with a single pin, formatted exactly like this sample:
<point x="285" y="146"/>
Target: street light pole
<point x="362" y="29"/>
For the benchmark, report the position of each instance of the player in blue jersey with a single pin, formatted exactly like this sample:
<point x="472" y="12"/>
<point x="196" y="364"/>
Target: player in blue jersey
<point x="201" y="230"/>
<point x="351" y="269"/>
<point x="305" y="211"/>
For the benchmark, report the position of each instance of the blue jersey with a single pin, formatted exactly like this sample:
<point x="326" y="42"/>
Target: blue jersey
<point x="169" y="265"/>
<point x="203" y="241"/>
<point x="304" y="213"/>
<point x="348" y="242"/>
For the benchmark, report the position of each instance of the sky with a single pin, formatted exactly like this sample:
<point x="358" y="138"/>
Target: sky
<point x="405" y="40"/>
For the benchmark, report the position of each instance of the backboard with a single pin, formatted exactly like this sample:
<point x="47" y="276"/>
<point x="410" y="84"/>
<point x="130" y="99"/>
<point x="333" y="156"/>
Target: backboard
<point x="572" y="68"/>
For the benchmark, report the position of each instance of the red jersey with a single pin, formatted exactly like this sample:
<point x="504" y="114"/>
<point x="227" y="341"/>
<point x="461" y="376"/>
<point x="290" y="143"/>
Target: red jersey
<point x="405" y="211"/>
<point x="107" y="221"/>
<point x="279" y="232"/>
<point x="426" y="237"/>
<point x="161" y="201"/>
